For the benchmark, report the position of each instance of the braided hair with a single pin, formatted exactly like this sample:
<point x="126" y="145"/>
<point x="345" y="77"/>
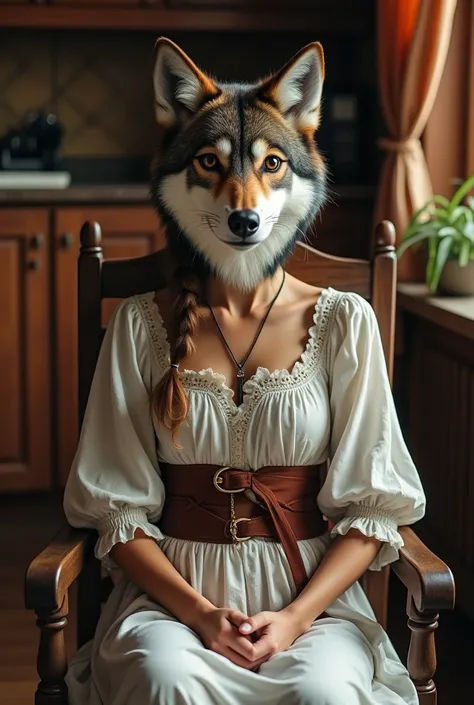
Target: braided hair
<point x="169" y="398"/>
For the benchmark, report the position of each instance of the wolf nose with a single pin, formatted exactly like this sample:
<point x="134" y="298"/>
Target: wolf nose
<point x="244" y="223"/>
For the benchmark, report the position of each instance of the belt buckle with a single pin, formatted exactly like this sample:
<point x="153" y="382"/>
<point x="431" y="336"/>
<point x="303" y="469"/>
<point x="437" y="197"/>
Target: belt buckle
<point x="233" y="529"/>
<point x="217" y="480"/>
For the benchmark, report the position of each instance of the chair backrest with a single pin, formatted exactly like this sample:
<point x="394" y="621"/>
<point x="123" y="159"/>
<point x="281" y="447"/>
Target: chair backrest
<point x="100" y="279"/>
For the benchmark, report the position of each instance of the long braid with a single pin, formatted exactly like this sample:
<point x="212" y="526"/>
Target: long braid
<point x="170" y="400"/>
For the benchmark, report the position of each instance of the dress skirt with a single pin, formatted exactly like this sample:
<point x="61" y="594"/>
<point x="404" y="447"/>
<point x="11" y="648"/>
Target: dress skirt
<point x="142" y="656"/>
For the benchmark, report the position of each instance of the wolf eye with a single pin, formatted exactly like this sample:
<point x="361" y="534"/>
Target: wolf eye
<point x="209" y="162"/>
<point x="272" y="163"/>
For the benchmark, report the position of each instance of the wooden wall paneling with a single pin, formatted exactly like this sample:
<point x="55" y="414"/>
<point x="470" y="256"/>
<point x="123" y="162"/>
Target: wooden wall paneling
<point x="25" y="350"/>
<point x="441" y="438"/>
<point x="468" y="544"/>
<point x="470" y="97"/>
<point x="127" y="232"/>
<point x="344" y="226"/>
<point x="446" y="132"/>
<point x="149" y="16"/>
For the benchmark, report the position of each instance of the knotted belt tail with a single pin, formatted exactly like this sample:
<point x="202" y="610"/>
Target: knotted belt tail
<point x="203" y="501"/>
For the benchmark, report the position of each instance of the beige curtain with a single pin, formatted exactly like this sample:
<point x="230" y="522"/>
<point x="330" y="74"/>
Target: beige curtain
<point x="413" y="40"/>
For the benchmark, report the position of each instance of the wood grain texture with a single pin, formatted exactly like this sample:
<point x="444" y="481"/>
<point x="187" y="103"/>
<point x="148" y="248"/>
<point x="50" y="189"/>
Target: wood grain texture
<point x="320" y="269"/>
<point x="470" y="96"/>
<point x="452" y="313"/>
<point x="446" y="159"/>
<point x="440" y="422"/>
<point x="52" y="572"/>
<point x="127" y="232"/>
<point x="384" y="294"/>
<point x="25" y="350"/>
<point x="427" y="578"/>
<point x="153" y="18"/>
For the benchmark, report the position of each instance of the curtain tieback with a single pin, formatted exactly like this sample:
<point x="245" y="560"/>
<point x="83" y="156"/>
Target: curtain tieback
<point x="393" y="145"/>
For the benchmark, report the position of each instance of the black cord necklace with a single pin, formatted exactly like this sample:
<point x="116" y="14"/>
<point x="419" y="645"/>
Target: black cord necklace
<point x="240" y="365"/>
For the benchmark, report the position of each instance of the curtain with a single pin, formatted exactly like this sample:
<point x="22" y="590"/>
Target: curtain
<point x="413" y="40"/>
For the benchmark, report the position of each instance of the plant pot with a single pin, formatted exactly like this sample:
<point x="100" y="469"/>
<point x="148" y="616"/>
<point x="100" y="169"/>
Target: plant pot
<point x="457" y="280"/>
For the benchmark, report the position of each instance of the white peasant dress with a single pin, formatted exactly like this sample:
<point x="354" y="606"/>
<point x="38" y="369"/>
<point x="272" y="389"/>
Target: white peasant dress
<point x="335" y="403"/>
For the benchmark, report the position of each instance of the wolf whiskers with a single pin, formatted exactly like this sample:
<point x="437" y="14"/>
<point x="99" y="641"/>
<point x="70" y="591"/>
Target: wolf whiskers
<point x="291" y="229"/>
<point x="209" y="214"/>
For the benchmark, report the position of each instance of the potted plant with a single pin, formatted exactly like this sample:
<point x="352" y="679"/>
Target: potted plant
<point x="447" y="228"/>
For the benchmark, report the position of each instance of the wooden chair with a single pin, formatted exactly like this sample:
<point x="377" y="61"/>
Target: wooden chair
<point x="70" y="558"/>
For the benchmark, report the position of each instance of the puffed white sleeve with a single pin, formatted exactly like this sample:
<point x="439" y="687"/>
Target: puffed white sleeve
<point x="372" y="483"/>
<point x="114" y="485"/>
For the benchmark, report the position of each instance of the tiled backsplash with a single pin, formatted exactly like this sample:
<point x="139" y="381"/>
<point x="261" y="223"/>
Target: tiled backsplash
<point x="99" y="83"/>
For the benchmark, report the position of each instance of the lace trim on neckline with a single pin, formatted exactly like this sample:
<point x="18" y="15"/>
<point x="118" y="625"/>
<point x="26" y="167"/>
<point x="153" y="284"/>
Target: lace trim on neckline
<point x="279" y="378"/>
<point x="262" y="382"/>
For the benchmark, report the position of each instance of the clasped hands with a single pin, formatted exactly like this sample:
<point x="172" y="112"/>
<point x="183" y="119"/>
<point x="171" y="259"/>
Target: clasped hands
<point x="248" y="641"/>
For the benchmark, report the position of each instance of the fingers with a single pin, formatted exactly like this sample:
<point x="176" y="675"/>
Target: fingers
<point x="253" y="624"/>
<point x="241" y="645"/>
<point x="228" y="636"/>
<point x="264" y="648"/>
<point x="240" y="660"/>
<point x="235" y="657"/>
<point x="237" y="618"/>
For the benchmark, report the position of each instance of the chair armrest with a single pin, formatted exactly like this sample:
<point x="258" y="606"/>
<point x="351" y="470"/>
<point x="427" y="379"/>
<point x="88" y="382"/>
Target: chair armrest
<point x="427" y="578"/>
<point x="53" y="571"/>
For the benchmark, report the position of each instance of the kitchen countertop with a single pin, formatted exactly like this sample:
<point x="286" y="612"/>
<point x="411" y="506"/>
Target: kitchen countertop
<point x="116" y="194"/>
<point x="123" y="194"/>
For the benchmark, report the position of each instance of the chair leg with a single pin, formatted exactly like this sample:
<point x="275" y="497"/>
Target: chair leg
<point x="422" y="652"/>
<point x="52" y="659"/>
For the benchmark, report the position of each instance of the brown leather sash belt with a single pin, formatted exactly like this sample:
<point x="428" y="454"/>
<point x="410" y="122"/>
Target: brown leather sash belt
<point x="209" y="503"/>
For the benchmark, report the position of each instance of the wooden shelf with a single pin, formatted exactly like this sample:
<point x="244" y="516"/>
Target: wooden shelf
<point x="150" y="18"/>
<point x="454" y="313"/>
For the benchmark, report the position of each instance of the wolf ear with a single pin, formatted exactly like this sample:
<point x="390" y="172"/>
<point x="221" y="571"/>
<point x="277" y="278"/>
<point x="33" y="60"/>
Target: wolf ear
<point x="180" y="87"/>
<point x="296" y="89"/>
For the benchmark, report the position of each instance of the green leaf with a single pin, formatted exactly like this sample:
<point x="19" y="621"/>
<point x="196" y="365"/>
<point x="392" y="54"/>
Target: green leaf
<point x="432" y="249"/>
<point x="413" y="240"/>
<point x="462" y="211"/>
<point x="442" y="255"/>
<point x="470" y="202"/>
<point x="448" y="230"/>
<point x="464" y="255"/>
<point x="462" y="192"/>
<point x="441" y="200"/>
<point x="468" y="231"/>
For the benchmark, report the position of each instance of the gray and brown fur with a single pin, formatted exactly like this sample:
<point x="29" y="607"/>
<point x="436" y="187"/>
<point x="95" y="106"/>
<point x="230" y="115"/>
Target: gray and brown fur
<point x="247" y="129"/>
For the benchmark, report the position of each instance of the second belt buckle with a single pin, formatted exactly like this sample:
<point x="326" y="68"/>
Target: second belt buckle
<point x="233" y="529"/>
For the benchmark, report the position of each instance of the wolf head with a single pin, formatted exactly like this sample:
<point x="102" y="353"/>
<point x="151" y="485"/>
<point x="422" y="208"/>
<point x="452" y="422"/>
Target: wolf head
<point x="238" y="177"/>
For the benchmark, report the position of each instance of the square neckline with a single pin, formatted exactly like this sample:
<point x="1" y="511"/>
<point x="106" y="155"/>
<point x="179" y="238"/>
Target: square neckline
<point x="262" y="379"/>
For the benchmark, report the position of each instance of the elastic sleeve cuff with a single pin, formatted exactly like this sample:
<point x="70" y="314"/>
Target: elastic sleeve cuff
<point x="120" y="527"/>
<point x="373" y="522"/>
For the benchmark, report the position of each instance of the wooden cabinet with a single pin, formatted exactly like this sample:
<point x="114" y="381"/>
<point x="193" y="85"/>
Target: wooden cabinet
<point x="39" y="248"/>
<point x="126" y="232"/>
<point x="25" y="350"/>
<point x="436" y="389"/>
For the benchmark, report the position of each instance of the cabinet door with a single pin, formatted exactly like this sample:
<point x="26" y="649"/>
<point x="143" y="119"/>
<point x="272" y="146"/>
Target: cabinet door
<point x="25" y="350"/>
<point x="126" y="232"/>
